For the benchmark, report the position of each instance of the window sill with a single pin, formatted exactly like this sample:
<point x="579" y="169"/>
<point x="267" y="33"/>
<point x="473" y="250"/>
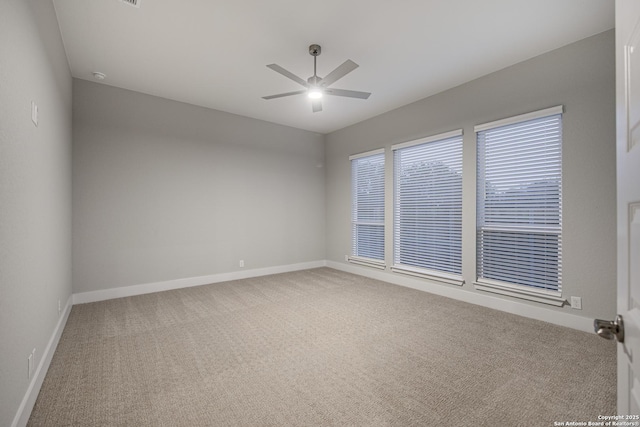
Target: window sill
<point x="545" y="297"/>
<point x="367" y="262"/>
<point x="437" y="276"/>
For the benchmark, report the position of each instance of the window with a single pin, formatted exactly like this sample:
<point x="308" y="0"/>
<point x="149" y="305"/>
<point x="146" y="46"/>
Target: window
<point x="519" y="206"/>
<point x="428" y="207"/>
<point x="367" y="213"/>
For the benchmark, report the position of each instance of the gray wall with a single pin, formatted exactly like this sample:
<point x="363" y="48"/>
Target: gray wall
<point x="35" y="190"/>
<point x="165" y="190"/>
<point x="581" y="77"/>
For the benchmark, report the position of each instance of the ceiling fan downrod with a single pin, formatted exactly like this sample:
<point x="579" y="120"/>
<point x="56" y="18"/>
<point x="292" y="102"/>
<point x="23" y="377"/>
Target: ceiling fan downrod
<point x="314" y="50"/>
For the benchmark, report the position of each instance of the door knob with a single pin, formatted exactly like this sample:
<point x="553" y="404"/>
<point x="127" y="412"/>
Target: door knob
<point x="610" y="329"/>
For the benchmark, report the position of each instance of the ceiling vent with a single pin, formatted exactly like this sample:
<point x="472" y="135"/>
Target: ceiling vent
<point x="134" y="3"/>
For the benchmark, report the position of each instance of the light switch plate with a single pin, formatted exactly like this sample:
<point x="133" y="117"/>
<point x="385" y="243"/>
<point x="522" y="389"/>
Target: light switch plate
<point x="34" y="113"/>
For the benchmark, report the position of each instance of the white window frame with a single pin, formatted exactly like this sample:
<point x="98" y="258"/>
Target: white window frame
<point x="552" y="297"/>
<point x="435" y="275"/>
<point x="353" y="258"/>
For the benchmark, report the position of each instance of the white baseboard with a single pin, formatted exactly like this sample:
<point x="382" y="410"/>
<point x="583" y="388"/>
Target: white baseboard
<point x="510" y="306"/>
<point x="147" y="288"/>
<point x="29" y="399"/>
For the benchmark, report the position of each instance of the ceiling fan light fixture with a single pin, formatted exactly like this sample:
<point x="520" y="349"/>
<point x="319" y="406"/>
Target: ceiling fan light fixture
<point x="314" y="93"/>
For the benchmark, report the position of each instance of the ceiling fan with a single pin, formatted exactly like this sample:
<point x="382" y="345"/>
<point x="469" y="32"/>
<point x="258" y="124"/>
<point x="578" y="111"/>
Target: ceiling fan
<point x="316" y="87"/>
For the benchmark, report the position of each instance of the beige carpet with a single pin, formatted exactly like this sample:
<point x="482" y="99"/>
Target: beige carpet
<point x="318" y="347"/>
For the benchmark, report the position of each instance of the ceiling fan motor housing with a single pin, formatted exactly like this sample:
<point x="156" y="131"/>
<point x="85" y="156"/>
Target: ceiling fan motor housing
<point x="314" y="80"/>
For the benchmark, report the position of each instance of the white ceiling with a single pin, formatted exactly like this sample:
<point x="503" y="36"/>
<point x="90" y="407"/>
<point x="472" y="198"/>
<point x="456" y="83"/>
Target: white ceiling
<point x="214" y="53"/>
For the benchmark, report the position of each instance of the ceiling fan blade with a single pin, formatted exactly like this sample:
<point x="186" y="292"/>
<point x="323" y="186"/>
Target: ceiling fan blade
<point x="342" y="70"/>
<point x="347" y="93"/>
<point x="288" y="74"/>
<point x="280" y="95"/>
<point x="316" y="105"/>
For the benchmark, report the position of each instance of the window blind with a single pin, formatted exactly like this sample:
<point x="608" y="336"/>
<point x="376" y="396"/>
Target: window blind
<point x="428" y="204"/>
<point x="367" y="215"/>
<point x="519" y="205"/>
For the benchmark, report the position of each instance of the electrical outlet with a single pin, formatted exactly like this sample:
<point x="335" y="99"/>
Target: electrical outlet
<point x="576" y="303"/>
<point x="241" y="263"/>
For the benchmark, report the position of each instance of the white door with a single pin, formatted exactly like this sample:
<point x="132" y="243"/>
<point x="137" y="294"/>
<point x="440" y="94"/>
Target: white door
<point x="628" y="175"/>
